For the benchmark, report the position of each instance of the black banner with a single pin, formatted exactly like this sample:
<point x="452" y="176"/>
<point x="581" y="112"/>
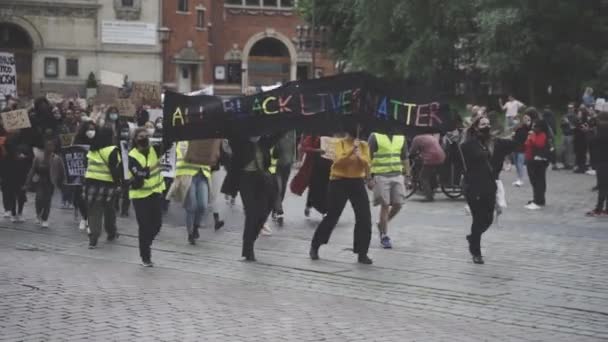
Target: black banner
<point x="315" y="106"/>
<point x="75" y="163"/>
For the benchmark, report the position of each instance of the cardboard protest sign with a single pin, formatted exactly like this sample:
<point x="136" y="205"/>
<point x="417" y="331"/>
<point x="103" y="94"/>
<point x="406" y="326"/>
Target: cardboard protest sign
<point x="67" y="139"/>
<point x="125" y="107"/>
<point x="75" y="163"/>
<point x="168" y="163"/>
<point x="110" y="78"/>
<point x="146" y="93"/>
<point x="205" y="152"/>
<point x="328" y="144"/>
<point x="8" y="75"/>
<point x="320" y="106"/>
<point x="16" y="119"/>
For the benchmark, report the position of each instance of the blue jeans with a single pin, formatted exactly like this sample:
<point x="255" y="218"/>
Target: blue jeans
<point x="520" y="160"/>
<point x="196" y="202"/>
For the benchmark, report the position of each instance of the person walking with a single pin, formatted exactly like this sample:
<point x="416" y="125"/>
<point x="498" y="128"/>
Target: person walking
<point x="284" y="154"/>
<point x="511" y="108"/>
<point x="14" y="167"/>
<point x="85" y="136"/>
<point x="580" y="139"/>
<point x="318" y="179"/>
<point x="147" y="186"/>
<point x="430" y="152"/>
<point x="538" y="155"/>
<point x="102" y="184"/>
<point x="598" y="145"/>
<point x="350" y="169"/>
<point x="389" y="159"/>
<point x="568" y="126"/>
<point x="250" y="165"/>
<point x="197" y="198"/>
<point x="46" y="173"/>
<point x="519" y="156"/>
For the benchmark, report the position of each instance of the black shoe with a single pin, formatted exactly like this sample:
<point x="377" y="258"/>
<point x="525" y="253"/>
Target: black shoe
<point x="191" y="239"/>
<point x="478" y="259"/>
<point x="195" y="233"/>
<point x="147" y="263"/>
<point x="124" y="214"/>
<point x="314" y="253"/>
<point x="470" y="248"/>
<point x="219" y="224"/>
<point x="280" y="220"/>
<point x="250" y="256"/>
<point x="92" y="243"/>
<point x="364" y="259"/>
<point x="113" y="237"/>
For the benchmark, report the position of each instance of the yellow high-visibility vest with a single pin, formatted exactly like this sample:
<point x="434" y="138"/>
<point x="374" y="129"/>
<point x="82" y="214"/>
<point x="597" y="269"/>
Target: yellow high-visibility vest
<point x="98" y="167"/>
<point x="155" y="182"/>
<point x="387" y="158"/>
<point x="183" y="168"/>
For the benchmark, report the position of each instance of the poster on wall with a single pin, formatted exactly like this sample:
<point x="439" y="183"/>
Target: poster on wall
<point x="128" y="32"/>
<point x="8" y="75"/>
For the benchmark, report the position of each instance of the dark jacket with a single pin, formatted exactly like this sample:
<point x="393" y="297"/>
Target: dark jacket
<point x="243" y="153"/>
<point x="598" y="149"/>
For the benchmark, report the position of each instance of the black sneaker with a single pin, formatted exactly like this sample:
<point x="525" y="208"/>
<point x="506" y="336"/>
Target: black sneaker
<point x="113" y="237"/>
<point x="147" y="263"/>
<point x="195" y="233"/>
<point x="314" y="253"/>
<point x="478" y="259"/>
<point x="219" y="224"/>
<point x="364" y="259"/>
<point x="280" y="220"/>
<point x="191" y="239"/>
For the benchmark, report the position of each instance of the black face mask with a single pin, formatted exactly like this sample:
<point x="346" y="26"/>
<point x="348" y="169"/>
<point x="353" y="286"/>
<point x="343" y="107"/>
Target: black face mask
<point x="144" y="142"/>
<point x="484" y="133"/>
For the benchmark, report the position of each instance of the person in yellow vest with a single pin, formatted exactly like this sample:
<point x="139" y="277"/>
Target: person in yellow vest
<point x="389" y="160"/>
<point x="347" y="183"/>
<point x="197" y="198"/>
<point x="102" y="179"/>
<point x="147" y="186"/>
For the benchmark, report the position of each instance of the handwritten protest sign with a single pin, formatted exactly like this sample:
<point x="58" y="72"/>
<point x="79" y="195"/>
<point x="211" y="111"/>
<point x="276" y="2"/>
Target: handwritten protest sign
<point x="146" y="93"/>
<point x="125" y="107"/>
<point x="54" y="98"/>
<point x="204" y="152"/>
<point x="75" y="163"/>
<point x="110" y="78"/>
<point x="8" y="75"/>
<point x="67" y="139"/>
<point x="16" y="119"/>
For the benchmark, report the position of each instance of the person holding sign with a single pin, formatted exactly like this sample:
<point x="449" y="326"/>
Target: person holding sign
<point x="197" y="198"/>
<point x="347" y="183"/>
<point x="85" y="136"/>
<point x="102" y="181"/>
<point x="147" y="186"/>
<point x="14" y="166"/>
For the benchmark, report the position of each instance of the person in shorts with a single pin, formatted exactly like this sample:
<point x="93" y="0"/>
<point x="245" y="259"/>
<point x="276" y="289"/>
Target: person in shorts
<point x="389" y="157"/>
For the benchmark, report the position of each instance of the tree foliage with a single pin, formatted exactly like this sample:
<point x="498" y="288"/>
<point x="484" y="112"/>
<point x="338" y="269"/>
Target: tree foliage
<point x="525" y="44"/>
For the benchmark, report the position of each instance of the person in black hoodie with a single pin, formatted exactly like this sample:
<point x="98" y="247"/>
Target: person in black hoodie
<point x="250" y="163"/>
<point x="13" y="171"/>
<point x="483" y="157"/>
<point x="598" y="145"/>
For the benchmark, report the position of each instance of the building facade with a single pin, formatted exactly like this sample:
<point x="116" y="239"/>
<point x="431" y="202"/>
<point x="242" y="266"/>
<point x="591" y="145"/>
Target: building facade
<point x="57" y="44"/>
<point x="238" y="45"/>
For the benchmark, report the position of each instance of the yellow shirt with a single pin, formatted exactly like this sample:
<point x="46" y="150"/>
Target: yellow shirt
<point x="347" y="164"/>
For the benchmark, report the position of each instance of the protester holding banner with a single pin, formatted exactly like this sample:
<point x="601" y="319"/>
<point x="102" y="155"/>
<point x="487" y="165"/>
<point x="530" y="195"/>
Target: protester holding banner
<point x="197" y="199"/>
<point x="147" y="186"/>
<point x="102" y="181"/>
<point x="349" y="171"/>
<point x="46" y="173"/>
<point x="250" y="163"/>
<point x="14" y="167"/>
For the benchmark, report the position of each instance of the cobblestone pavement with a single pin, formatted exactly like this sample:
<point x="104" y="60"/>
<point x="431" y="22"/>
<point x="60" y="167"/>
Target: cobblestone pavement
<point x="545" y="279"/>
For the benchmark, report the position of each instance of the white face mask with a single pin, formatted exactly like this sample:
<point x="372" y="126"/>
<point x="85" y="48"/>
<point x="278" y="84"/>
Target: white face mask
<point x="113" y="116"/>
<point x="159" y="126"/>
<point x="150" y="131"/>
<point x="90" y="134"/>
<point x="254" y="139"/>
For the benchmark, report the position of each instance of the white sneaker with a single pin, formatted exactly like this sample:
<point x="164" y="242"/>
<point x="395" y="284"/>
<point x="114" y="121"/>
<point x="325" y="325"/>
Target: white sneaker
<point x="467" y="210"/>
<point x="7" y="214"/>
<point x="591" y="172"/>
<point x="518" y="183"/>
<point x="83" y="225"/>
<point x="266" y="231"/>
<point x="19" y="219"/>
<point x="14" y="219"/>
<point x="45" y="224"/>
<point x="533" y="206"/>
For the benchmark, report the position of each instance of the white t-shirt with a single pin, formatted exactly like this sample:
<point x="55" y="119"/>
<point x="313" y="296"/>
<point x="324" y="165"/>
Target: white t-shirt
<point x="512" y="108"/>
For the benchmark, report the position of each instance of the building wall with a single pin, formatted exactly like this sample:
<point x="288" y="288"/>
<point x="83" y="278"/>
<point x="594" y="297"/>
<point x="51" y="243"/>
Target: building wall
<point x="72" y="29"/>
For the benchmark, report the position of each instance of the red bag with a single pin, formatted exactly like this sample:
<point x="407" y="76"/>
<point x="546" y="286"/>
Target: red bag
<point x="301" y="180"/>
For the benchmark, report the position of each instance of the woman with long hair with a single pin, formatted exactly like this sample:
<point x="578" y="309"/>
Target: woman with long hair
<point x="85" y="136"/>
<point x="538" y="155"/>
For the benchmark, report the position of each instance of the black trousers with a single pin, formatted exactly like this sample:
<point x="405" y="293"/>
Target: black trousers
<point x="148" y="213"/>
<point x="123" y="202"/>
<point x="428" y="176"/>
<point x="14" y="199"/>
<point x="580" y="150"/>
<point x="341" y="191"/>
<point x="44" y="196"/>
<point x="80" y="203"/>
<point x="482" y="210"/>
<point x="537" y="172"/>
<point x="258" y="195"/>
<point x="601" y="170"/>
<point x="282" y="177"/>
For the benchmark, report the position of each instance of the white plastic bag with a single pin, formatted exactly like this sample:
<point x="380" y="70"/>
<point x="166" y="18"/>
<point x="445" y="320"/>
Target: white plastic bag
<point x="501" y="200"/>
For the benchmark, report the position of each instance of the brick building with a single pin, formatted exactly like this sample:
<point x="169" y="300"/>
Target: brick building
<point x="237" y="44"/>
